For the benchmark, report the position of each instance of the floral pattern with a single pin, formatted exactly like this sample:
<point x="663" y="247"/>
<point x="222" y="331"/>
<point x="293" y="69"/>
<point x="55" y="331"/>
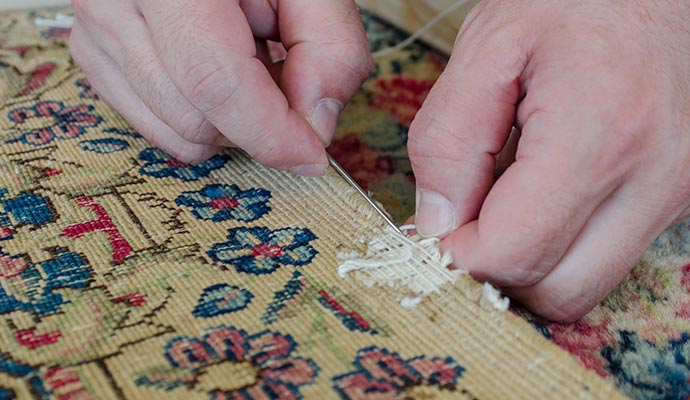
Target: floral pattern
<point x="279" y="374"/>
<point x="159" y="164"/>
<point x="291" y="293"/>
<point x="104" y="146"/>
<point x="35" y="288"/>
<point x="227" y="202"/>
<point x="260" y="250"/>
<point x="221" y="299"/>
<point x="351" y="319"/>
<point x="87" y="91"/>
<point x="107" y="278"/>
<point x="380" y="373"/>
<point x="68" y="122"/>
<point x="649" y="371"/>
<point x="25" y="209"/>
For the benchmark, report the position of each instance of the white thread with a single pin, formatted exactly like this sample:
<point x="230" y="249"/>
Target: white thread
<point x="361" y="263"/>
<point x="397" y="261"/>
<point x="410" y="302"/>
<point x="493" y="296"/>
<point x="421" y="31"/>
<point x="67" y="21"/>
<point x="60" y="21"/>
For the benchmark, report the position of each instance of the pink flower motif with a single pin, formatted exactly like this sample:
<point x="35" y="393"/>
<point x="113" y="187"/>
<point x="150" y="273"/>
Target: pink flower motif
<point x="67" y="122"/>
<point x="280" y="375"/>
<point x="66" y="384"/>
<point x="384" y="374"/>
<point x="12" y="266"/>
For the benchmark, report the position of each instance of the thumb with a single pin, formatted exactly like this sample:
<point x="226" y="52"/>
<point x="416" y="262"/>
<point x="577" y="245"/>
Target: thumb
<point x="462" y="126"/>
<point x="328" y="59"/>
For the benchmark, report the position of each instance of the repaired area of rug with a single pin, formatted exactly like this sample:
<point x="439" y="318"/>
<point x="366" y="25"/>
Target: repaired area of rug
<point x="127" y="274"/>
<point x="638" y="338"/>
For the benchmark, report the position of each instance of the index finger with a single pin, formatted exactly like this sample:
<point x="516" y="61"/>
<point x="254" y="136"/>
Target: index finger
<point x="208" y="50"/>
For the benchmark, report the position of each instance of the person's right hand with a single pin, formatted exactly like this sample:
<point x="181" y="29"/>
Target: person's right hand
<point x="193" y="76"/>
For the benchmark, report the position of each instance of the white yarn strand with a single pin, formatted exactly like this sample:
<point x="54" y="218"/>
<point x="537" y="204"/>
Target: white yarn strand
<point x="421" y="31"/>
<point x="60" y="21"/>
<point x="411" y="263"/>
<point x="493" y="296"/>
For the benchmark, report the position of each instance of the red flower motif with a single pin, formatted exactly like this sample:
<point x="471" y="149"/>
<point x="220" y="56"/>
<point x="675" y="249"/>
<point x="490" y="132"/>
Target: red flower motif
<point x="38" y="77"/>
<point x="685" y="277"/>
<point x="584" y="341"/>
<point x="224" y="203"/>
<point x="267" y="250"/>
<point x="401" y="96"/>
<point x="5" y="233"/>
<point x="136" y="299"/>
<point x="29" y="338"/>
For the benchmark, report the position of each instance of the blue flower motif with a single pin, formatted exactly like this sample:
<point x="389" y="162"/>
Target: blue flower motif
<point x="27" y="209"/>
<point x="221" y="299"/>
<point x="260" y="250"/>
<point x="159" y="164"/>
<point x="104" y="146"/>
<point x="222" y="202"/>
<point x="648" y="371"/>
<point x="38" y="284"/>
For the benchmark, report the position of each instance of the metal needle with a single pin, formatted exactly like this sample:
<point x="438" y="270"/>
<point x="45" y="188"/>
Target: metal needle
<point x="361" y="191"/>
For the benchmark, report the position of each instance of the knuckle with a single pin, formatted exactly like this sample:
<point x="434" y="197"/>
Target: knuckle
<point x="89" y="13"/>
<point x="556" y="307"/>
<point x="195" y="128"/>
<point x="82" y="9"/>
<point x="265" y="148"/>
<point x="427" y="132"/>
<point x="472" y="16"/>
<point x="564" y="310"/>
<point x="355" y="57"/>
<point x="210" y="86"/>
<point x="190" y="154"/>
<point x="522" y="276"/>
<point x="521" y="252"/>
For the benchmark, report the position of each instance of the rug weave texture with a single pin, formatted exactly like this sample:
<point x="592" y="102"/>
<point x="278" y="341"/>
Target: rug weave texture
<point x="127" y="274"/>
<point x="638" y="338"/>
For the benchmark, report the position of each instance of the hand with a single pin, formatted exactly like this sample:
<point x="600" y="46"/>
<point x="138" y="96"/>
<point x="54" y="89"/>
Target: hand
<point x="601" y="93"/>
<point x="192" y="76"/>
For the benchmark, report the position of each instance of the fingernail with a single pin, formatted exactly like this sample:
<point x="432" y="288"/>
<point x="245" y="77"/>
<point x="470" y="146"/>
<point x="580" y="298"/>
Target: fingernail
<point x="435" y="216"/>
<point x="324" y="117"/>
<point x="310" y="170"/>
